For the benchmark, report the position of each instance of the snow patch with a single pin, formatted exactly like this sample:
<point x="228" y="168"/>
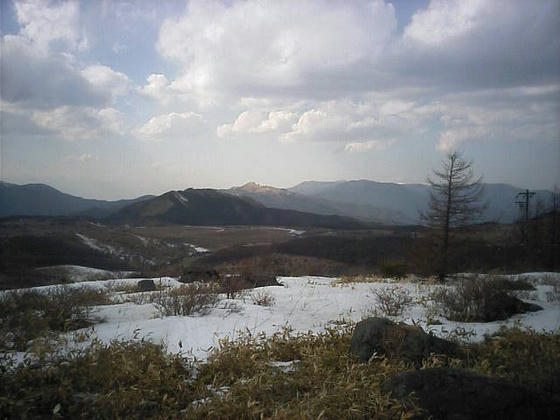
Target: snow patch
<point x="92" y="243"/>
<point x="197" y="249"/>
<point x="183" y="200"/>
<point x="303" y="303"/>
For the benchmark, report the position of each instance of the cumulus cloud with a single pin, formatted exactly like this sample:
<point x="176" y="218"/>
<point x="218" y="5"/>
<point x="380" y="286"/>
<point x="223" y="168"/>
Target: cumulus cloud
<point x="258" y="121"/>
<point x="270" y="47"/>
<point x="81" y="123"/>
<point x="172" y="125"/>
<point x="444" y="21"/>
<point x="158" y="87"/>
<point x="500" y="121"/>
<point x="472" y="44"/>
<point x="44" y="22"/>
<point x="351" y="121"/>
<point x="106" y="79"/>
<point x="42" y="81"/>
<point x="36" y="81"/>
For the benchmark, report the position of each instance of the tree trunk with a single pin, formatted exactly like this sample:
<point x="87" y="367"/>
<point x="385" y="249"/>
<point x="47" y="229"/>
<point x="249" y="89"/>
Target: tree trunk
<point x="445" y="243"/>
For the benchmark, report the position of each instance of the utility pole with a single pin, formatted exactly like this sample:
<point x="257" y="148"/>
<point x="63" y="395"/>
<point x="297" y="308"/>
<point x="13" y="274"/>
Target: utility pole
<point x="525" y="204"/>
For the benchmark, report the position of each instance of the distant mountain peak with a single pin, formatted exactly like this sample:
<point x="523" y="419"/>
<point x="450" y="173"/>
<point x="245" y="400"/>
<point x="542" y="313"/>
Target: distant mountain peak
<point x="253" y="187"/>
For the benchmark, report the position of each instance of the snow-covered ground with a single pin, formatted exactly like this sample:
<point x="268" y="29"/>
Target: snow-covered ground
<point x="303" y="303"/>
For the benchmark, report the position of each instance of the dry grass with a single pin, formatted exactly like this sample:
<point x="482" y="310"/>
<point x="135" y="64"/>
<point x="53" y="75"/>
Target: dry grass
<point x="350" y="280"/>
<point x="263" y="298"/>
<point x="285" y="376"/>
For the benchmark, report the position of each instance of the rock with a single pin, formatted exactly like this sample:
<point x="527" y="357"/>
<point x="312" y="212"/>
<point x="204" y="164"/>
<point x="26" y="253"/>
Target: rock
<point x="459" y="394"/>
<point x="261" y="280"/>
<point x="502" y="306"/>
<point x="146" y="286"/>
<point x="383" y="336"/>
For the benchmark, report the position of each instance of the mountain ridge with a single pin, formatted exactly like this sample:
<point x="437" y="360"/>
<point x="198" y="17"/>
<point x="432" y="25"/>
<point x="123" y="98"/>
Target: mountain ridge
<point x="368" y="201"/>
<point x="38" y="199"/>
<point x="212" y="207"/>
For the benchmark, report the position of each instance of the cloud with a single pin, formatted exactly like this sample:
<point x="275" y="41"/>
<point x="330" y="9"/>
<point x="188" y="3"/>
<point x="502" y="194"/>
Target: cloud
<point x="81" y="123"/>
<point x="444" y="21"/>
<point x="17" y="123"/>
<point x="460" y="45"/>
<point x="352" y="121"/>
<point x="45" y="22"/>
<point x="106" y="79"/>
<point x="507" y="121"/>
<point x="42" y="81"/>
<point x="258" y="121"/>
<point x="34" y="80"/>
<point x="84" y="157"/>
<point x="368" y="145"/>
<point x="256" y="48"/>
<point x="158" y="87"/>
<point x="172" y="125"/>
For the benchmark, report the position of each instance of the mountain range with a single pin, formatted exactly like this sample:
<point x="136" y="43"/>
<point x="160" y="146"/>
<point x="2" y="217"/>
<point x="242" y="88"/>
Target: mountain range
<point x="43" y="200"/>
<point x="313" y="203"/>
<point x="212" y="207"/>
<point x="381" y="202"/>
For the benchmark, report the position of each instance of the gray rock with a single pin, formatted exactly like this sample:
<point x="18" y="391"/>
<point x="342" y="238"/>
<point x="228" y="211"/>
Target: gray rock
<point x="460" y="394"/>
<point x="146" y="286"/>
<point x="383" y="336"/>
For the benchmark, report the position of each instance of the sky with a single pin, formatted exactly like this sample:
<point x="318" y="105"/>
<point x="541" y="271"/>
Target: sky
<point x="115" y="99"/>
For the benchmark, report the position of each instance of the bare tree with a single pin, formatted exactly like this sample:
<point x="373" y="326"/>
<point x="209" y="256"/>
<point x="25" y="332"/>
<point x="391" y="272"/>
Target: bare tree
<point x="454" y="202"/>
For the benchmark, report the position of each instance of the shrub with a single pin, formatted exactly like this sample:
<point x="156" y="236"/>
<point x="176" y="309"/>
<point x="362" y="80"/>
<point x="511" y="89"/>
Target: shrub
<point x="186" y="299"/>
<point x="478" y="298"/>
<point x="262" y="298"/>
<point x="392" y="301"/>
<point x="126" y="288"/>
<point x="26" y="315"/>
<point x="233" y="286"/>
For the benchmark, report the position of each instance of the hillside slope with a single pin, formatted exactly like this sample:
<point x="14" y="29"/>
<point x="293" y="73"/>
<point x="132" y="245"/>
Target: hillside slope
<point x="43" y="200"/>
<point x="212" y="207"/>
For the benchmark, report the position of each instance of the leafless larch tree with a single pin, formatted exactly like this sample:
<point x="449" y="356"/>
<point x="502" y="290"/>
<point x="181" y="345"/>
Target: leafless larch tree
<point x="454" y="202"/>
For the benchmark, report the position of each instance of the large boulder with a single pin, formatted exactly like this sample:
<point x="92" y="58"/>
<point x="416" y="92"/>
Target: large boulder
<point x="459" y="394"/>
<point x="383" y="336"/>
<point x="146" y="285"/>
<point x="503" y="306"/>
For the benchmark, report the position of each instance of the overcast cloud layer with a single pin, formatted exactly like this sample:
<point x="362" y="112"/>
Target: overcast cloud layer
<point x="115" y="99"/>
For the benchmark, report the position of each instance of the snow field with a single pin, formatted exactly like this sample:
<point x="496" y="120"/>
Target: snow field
<point x="303" y="303"/>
